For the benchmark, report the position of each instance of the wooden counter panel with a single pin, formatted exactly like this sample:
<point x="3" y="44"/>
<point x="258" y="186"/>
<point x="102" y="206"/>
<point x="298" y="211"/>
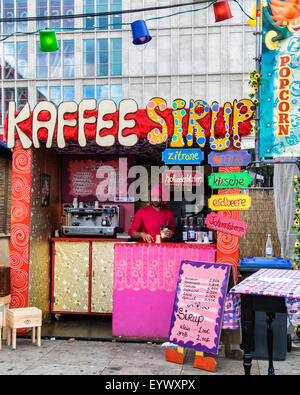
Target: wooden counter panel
<point x="71" y="277"/>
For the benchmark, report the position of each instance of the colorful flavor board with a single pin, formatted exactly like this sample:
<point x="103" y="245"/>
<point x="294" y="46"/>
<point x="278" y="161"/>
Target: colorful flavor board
<point x="229" y="158"/>
<point x="229" y="202"/>
<point x="229" y="180"/>
<point x="226" y="224"/>
<point x="182" y="156"/>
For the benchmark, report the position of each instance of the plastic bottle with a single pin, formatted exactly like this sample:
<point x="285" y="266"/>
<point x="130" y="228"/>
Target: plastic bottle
<point x="269" y="249"/>
<point x="205" y="233"/>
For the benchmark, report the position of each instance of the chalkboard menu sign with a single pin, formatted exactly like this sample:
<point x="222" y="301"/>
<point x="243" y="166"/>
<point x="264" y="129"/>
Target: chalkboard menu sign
<point x="197" y="316"/>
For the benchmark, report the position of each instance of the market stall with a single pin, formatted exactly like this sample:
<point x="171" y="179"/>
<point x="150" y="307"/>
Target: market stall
<point x="79" y="177"/>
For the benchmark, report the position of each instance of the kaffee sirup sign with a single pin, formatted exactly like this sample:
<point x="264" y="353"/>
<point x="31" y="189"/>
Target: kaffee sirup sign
<point x="106" y="124"/>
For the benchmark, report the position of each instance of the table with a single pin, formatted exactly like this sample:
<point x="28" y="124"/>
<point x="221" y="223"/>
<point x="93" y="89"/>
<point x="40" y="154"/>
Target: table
<point x="271" y="291"/>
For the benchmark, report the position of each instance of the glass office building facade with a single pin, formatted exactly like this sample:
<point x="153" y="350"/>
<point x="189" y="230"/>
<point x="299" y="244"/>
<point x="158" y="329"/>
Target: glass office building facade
<point x="88" y="63"/>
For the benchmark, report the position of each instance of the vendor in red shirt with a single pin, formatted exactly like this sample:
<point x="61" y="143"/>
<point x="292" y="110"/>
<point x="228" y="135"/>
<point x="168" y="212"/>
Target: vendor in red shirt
<point x="147" y="222"/>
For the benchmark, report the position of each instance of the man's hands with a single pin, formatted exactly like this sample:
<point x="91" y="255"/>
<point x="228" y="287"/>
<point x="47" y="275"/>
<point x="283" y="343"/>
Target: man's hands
<point x="168" y="233"/>
<point x="146" y="237"/>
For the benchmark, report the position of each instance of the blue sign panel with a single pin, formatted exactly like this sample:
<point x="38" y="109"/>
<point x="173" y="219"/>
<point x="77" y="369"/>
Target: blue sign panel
<point x="229" y="158"/>
<point x="182" y="156"/>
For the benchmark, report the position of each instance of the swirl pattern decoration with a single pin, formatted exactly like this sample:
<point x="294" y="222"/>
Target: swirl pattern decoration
<point x="20" y="226"/>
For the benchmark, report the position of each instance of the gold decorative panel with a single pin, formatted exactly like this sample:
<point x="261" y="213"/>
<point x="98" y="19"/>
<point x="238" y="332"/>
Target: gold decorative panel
<point x="43" y="222"/>
<point x="102" y="276"/>
<point x="71" y="277"/>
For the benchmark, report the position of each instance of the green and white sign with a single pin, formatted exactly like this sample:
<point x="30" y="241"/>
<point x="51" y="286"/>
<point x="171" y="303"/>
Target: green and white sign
<point x="229" y="180"/>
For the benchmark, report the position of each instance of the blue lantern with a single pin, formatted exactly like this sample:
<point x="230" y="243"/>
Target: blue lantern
<point x="140" y="32"/>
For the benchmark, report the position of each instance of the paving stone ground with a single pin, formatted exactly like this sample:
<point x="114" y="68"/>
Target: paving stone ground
<point x="67" y="357"/>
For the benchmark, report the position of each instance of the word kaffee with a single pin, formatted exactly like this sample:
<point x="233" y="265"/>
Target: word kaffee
<point x="107" y="125"/>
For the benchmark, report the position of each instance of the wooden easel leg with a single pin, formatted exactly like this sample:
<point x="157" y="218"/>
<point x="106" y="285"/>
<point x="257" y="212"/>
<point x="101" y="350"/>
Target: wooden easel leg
<point x="204" y="363"/>
<point x="175" y="356"/>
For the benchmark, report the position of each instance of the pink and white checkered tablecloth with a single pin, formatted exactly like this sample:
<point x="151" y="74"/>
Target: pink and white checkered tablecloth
<point x="270" y="282"/>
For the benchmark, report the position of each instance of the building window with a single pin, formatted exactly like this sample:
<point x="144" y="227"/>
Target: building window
<point x="108" y="57"/>
<point x="9" y="95"/>
<point x="22" y="12"/>
<point x="88" y="58"/>
<point x="89" y="92"/>
<point x="51" y="65"/>
<point x="68" y="58"/>
<point x="22" y="60"/>
<point x="55" y="69"/>
<point x="102" y="22"/>
<point x="101" y="92"/>
<point x="18" y="10"/>
<point x="9" y="61"/>
<point x="15" y="60"/>
<point x="42" y="93"/>
<point x="102" y="57"/>
<point x="22" y="97"/>
<point x="116" y="93"/>
<point x="56" y="94"/>
<point x="69" y="93"/>
<point x="116" y="57"/>
<point x="55" y="8"/>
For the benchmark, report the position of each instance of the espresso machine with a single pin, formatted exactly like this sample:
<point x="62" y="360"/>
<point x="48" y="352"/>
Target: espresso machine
<point x="91" y="220"/>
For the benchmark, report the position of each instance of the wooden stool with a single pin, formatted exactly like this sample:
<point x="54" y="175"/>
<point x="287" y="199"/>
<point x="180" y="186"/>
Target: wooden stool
<point x="1" y="315"/>
<point x="28" y="317"/>
<point x="4" y="305"/>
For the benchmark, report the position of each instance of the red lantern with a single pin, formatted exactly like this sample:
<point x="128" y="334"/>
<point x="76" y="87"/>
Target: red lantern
<point x="222" y="10"/>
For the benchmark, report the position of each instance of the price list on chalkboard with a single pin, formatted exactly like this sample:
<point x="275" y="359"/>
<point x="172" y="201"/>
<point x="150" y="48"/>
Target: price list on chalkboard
<point x="198" y="307"/>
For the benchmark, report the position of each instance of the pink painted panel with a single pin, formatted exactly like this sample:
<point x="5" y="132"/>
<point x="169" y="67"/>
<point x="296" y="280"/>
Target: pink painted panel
<point x="145" y="282"/>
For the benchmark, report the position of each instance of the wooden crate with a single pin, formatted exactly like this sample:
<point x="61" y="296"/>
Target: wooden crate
<point x="27" y="317"/>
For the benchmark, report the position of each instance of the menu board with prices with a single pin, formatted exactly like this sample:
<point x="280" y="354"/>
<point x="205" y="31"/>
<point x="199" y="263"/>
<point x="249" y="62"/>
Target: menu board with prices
<point x="197" y="315"/>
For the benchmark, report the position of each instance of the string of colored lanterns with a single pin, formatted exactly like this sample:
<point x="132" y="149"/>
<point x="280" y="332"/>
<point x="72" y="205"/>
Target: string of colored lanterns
<point x="141" y="35"/>
<point x="140" y="32"/>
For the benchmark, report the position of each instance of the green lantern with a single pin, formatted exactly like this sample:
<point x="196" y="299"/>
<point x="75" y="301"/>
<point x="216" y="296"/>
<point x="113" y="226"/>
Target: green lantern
<point x="48" y="42"/>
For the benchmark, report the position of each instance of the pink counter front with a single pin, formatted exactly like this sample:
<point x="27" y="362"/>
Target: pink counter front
<point x="145" y="281"/>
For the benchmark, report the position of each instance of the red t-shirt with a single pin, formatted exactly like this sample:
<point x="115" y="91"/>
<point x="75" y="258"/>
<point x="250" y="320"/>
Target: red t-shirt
<point x="148" y="220"/>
